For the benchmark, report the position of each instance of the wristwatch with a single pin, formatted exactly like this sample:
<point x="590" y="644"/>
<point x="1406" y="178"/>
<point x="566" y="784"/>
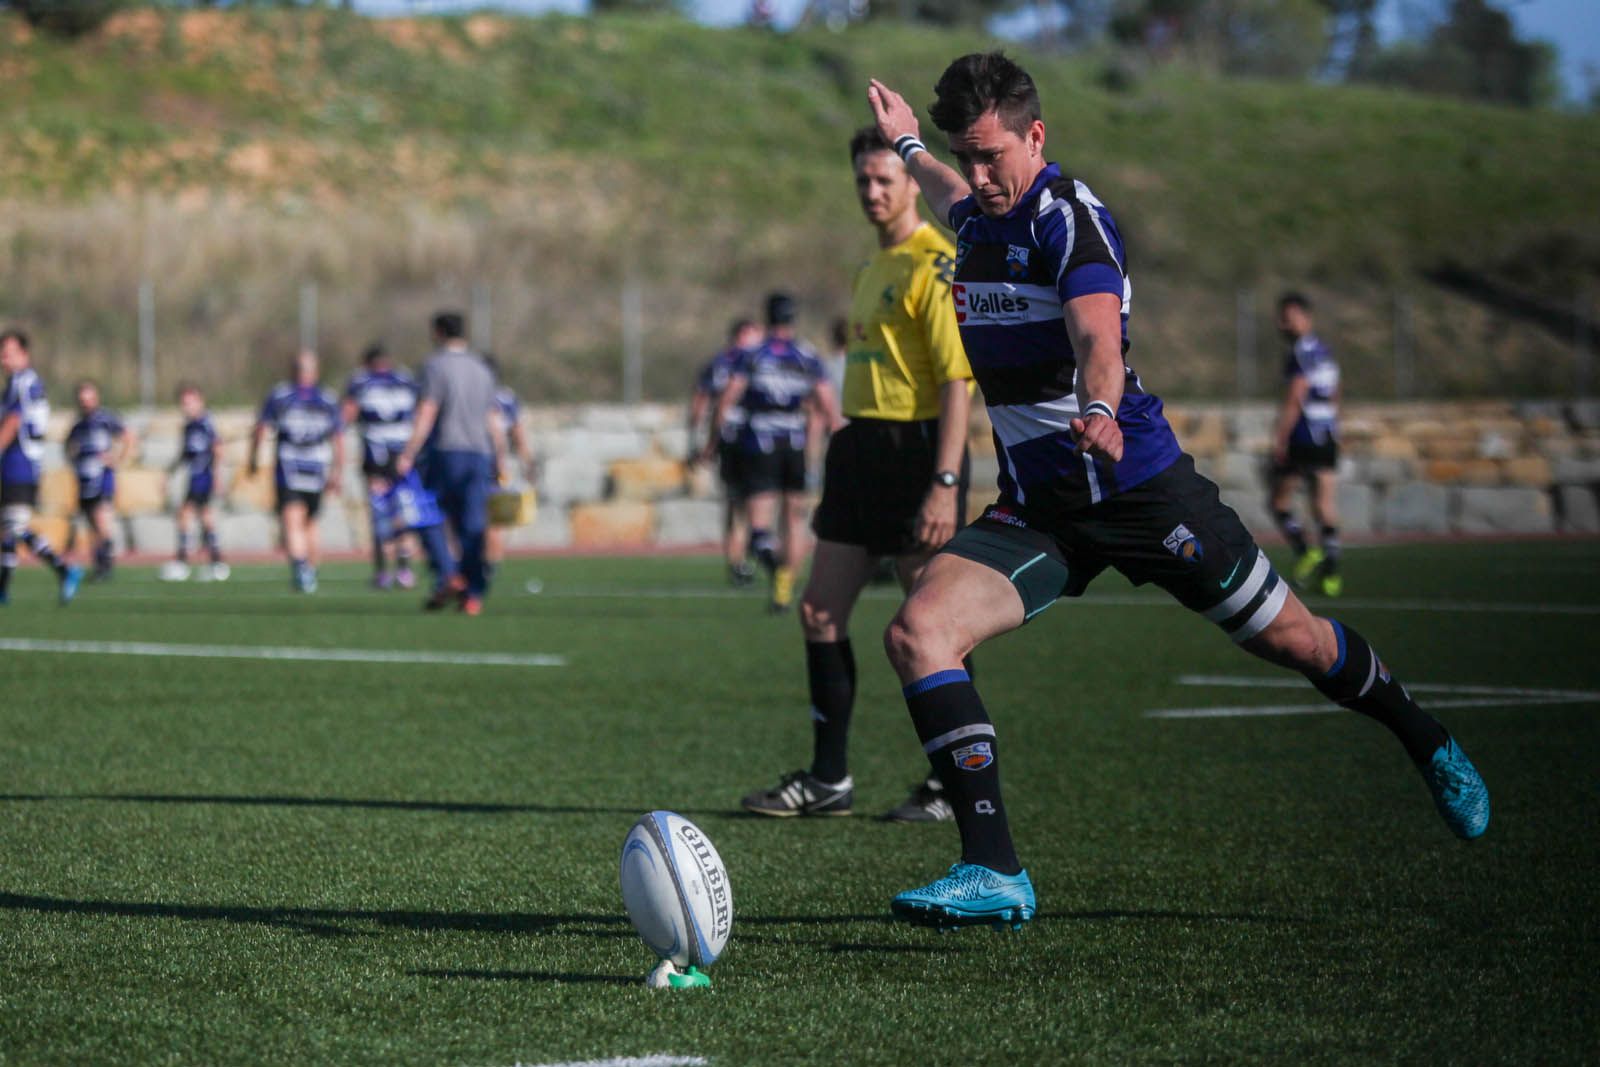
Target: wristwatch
<point x="948" y="479"/>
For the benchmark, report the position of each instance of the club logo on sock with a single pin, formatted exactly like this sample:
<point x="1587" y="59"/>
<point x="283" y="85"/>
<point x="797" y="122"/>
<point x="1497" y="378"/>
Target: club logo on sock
<point x="974" y="757"/>
<point x="984" y="807"/>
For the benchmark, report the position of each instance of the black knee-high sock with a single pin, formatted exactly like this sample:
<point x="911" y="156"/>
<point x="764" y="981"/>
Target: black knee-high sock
<point x="41" y="549"/>
<point x="379" y="562"/>
<point x="209" y="533"/>
<point x="8" y="561"/>
<point x="960" y="742"/>
<point x="764" y="547"/>
<point x="1360" y="681"/>
<point x="1292" y="531"/>
<point x="102" y="557"/>
<point x="831" y="669"/>
<point x="183" y="544"/>
<point x="1330" y="549"/>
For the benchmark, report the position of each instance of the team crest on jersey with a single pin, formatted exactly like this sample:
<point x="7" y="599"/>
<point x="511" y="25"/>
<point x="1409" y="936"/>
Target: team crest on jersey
<point x="1184" y="544"/>
<point x="1016" y="260"/>
<point x="974" y="757"/>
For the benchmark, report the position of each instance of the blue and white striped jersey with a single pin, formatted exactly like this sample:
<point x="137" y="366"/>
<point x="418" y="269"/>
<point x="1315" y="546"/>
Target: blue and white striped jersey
<point x="1310" y="359"/>
<point x="305" y="421"/>
<point x="88" y="443"/>
<point x="782" y="374"/>
<point x="507" y="405"/>
<point x="713" y="381"/>
<point x="1013" y="274"/>
<point x="25" y="398"/>
<point x="199" y="444"/>
<point x="386" y="404"/>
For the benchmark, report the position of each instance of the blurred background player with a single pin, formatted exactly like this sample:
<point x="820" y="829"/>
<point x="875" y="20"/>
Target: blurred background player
<point x="308" y="461"/>
<point x="201" y="458"/>
<point x="896" y="473"/>
<point x="24" y="414"/>
<point x="1305" y="445"/>
<point x="381" y="401"/>
<point x="784" y="391"/>
<point x="709" y="385"/>
<point x="508" y="409"/>
<point x="457" y="437"/>
<point x="96" y="445"/>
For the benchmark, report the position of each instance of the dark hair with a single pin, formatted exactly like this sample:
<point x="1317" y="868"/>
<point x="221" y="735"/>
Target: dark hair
<point x="16" y="335"/>
<point x="1293" y="298"/>
<point x="868" y="139"/>
<point x="188" y="387"/>
<point x="86" y="383"/>
<point x="840" y="331"/>
<point x="493" y="364"/>
<point x="977" y="84"/>
<point x="450" y="325"/>
<point x="781" y="309"/>
<point x="739" y="326"/>
<point x="373" y="352"/>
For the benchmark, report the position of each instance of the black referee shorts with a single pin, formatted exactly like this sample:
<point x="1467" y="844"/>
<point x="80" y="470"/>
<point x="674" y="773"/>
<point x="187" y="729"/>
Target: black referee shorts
<point x="731" y="469"/>
<point x="1305" y="457"/>
<point x="874" y="481"/>
<point x="1173" y="530"/>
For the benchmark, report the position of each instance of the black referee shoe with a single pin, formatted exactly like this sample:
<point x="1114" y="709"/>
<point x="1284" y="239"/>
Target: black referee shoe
<point x="800" y="793"/>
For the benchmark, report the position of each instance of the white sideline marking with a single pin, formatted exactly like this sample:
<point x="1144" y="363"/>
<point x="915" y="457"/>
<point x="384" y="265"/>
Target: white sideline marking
<point x="310" y="655"/>
<point x="628" y="1061"/>
<point x="1465" y="696"/>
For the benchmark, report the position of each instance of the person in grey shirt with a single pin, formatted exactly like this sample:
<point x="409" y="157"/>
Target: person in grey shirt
<point x="454" y="444"/>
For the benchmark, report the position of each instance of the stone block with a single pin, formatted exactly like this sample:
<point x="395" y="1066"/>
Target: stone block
<point x="257" y="494"/>
<point x="1556" y="446"/>
<point x="155" y="534"/>
<point x="247" y="533"/>
<point x="54" y="529"/>
<point x="1252" y="511"/>
<point x="335" y="529"/>
<point x="1481" y="472"/>
<point x="1575" y="471"/>
<point x="671" y="441"/>
<point x="649" y="478"/>
<point x="702" y="482"/>
<point x="1503" y="511"/>
<point x="985" y="473"/>
<point x="1207" y="436"/>
<point x="1416" y="507"/>
<point x="1393" y="446"/>
<point x="1497" y="444"/>
<point x="159" y="452"/>
<point x="58" y="491"/>
<point x="1533" y="471"/>
<point x="1386" y="470"/>
<point x="1242" y="471"/>
<point x="570" y="478"/>
<point x="141" y="491"/>
<point x="1584" y="414"/>
<point x="604" y="446"/>
<point x="688" y="522"/>
<point x="616" y="523"/>
<point x="1448" y="448"/>
<point x="1579" y="509"/>
<point x="1358" y="507"/>
<point x="616" y="419"/>
<point x="1444" y="471"/>
<point x="549" y="529"/>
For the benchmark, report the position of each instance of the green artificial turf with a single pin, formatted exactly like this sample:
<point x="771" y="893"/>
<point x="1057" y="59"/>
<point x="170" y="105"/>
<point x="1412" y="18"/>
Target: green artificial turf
<point x="238" y="861"/>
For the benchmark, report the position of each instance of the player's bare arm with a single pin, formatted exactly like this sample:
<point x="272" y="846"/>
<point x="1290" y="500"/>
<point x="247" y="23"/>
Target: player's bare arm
<point x="257" y="434"/>
<point x="827" y="400"/>
<point x="941" y="184"/>
<point x="336" y="474"/>
<point x="936" y="523"/>
<point x="427" y="414"/>
<point x="1094" y="324"/>
<point x="1294" y="399"/>
<point x="719" y="414"/>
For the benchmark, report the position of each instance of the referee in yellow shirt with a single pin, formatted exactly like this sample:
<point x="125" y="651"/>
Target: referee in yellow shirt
<point x="896" y="476"/>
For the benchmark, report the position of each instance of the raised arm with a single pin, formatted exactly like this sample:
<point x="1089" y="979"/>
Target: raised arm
<point x="942" y="185"/>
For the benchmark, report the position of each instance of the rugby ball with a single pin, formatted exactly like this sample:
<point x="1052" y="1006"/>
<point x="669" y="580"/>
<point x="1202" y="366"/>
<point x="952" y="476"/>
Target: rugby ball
<point x="676" y="890"/>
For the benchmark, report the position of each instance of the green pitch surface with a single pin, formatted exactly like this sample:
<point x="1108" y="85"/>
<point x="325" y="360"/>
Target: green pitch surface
<point x="326" y="858"/>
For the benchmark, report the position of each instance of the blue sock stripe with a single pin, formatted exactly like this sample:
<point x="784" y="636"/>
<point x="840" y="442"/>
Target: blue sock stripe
<point x="1338" y="633"/>
<point x="934" y="681"/>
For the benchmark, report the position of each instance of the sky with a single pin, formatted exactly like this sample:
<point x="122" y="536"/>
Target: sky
<point x="1572" y="26"/>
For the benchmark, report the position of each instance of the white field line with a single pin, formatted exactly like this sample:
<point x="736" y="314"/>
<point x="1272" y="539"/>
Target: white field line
<point x="304" y="655"/>
<point x="629" y="1061"/>
<point x="1464" y="696"/>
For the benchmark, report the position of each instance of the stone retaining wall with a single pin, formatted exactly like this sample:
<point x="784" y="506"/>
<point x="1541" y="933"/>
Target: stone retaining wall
<point x="613" y="476"/>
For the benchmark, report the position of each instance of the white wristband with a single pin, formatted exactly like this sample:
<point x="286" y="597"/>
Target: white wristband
<point x="1099" y="407"/>
<point x="907" y="145"/>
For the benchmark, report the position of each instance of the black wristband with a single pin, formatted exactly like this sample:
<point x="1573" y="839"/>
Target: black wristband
<point x="907" y="145"/>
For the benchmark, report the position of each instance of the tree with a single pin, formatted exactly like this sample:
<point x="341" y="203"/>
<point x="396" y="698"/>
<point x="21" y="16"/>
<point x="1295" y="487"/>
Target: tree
<point x="1473" y="52"/>
<point x="65" y="18"/>
<point x="1276" y="38"/>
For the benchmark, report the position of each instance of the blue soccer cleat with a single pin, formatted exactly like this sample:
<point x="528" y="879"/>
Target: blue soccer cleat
<point x="1458" y="791"/>
<point x="71" y="578"/>
<point x="969" y="895"/>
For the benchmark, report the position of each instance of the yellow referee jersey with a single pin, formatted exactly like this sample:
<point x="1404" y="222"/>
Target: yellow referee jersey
<point x="904" y="344"/>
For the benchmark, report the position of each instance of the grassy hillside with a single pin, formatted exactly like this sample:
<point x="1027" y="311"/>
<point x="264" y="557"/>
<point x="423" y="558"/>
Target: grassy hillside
<point x="232" y="156"/>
